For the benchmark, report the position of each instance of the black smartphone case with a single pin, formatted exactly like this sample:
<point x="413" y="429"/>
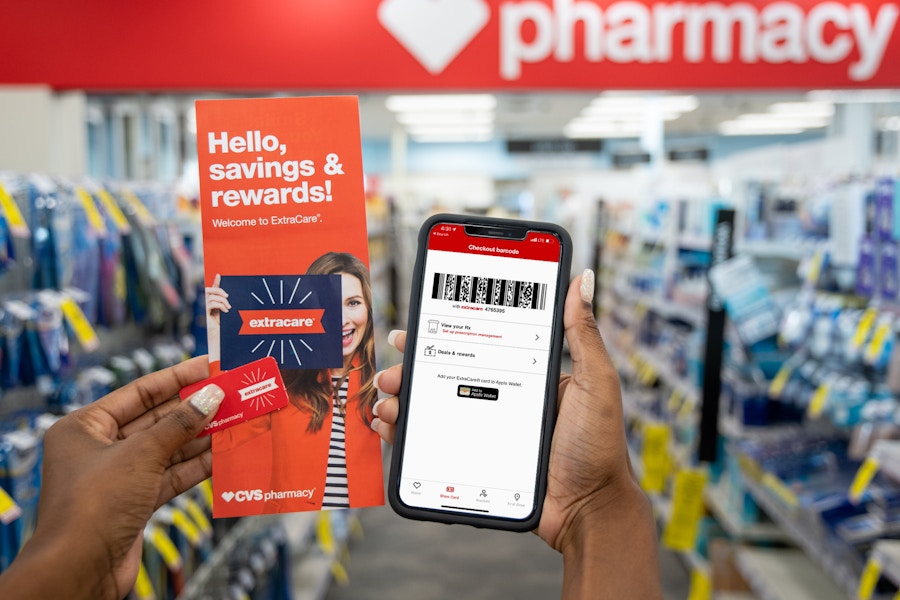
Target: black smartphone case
<point x="552" y="379"/>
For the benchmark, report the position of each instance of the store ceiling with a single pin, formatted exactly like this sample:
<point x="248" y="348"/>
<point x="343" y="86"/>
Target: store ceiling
<point x="539" y="115"/>
<point x="544" y="115"/>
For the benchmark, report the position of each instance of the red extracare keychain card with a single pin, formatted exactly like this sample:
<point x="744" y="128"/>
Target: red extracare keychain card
<point x="251" y="390"/>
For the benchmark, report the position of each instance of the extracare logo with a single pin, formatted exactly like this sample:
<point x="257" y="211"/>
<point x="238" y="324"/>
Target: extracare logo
<point x="435" y="32"/>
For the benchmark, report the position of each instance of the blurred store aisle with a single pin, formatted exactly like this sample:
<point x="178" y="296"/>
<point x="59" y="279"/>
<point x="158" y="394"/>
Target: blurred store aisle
<point x="399" y="559"/>
<point x="402" y="559"/>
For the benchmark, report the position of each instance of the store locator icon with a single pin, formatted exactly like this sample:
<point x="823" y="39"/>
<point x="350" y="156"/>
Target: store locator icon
<point x="517" y="495"/>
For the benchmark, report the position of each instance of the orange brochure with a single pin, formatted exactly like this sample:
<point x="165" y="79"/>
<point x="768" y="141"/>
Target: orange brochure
<point x="286" y="273"/>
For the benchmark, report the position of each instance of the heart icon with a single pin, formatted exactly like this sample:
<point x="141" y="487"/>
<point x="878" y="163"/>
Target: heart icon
<point x="434" y="31"/>
<point x="416" y="484"/>
<point x="227" y="496"/>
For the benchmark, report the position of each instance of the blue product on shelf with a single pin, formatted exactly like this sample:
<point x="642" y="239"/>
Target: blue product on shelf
<point x="890" y="279"/>
<point x="51" y="334"/>
<point x="7" y="248"/>
<point x="861" y="528"/>
<point x="896" y="210"/>
<point x="866" y="268"/>
<point x="12" y="334"/>
<point x="20" y="475"/>
<point x="847" y="401"/>
<point x="884" y="209"/>
<point x="111" y="281"/>
<point x="85" y="261"/>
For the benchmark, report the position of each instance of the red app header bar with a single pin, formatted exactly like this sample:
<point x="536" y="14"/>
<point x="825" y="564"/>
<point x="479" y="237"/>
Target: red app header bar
<point x="448" y="237"/>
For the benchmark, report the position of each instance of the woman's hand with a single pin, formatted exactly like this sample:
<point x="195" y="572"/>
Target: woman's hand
<point x="594" y="511"/>
<point x="216" y="303"/>
<point x="107" y="468"/>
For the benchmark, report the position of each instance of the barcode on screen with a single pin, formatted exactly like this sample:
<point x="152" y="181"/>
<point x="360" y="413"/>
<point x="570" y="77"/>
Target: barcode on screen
<point x="487" y="290"/>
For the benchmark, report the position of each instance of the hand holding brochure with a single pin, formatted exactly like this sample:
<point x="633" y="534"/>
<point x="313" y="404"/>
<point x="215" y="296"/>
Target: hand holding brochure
<point x="286" y="271"/>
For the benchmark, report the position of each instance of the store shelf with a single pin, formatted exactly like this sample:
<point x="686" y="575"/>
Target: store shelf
<point x="793" y="251"/>
<point x="717" y="503"/>
<point x="695" y="242"/>
<point x="668" y="376"/>
<point x="693" y="314"/>
<point x="299" y="528"/>
<point x="839" y="572"/>
<point x="312" y="576"/>
<point x="731" y="428"/>
<point x="684" y="241"/>
<point x="785" y="575"/>
<point x="887" y="552"/>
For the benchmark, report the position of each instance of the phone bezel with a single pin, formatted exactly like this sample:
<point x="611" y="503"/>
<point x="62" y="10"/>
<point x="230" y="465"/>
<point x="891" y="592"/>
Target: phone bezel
<point x="484" y="224"/>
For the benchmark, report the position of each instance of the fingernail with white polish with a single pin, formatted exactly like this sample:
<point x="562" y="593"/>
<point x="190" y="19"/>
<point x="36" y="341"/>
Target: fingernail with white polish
<point x="207" y="399"/>
<point x="375" y="406"/>
<point x="375" y="423"/>
<point x="392" y="336"/>
<point x="375" y="382"/>
<point x="587" y="286"/>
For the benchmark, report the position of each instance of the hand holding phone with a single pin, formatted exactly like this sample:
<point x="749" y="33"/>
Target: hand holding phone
<point x="594" y="512"/>
<point x="485" y="339"/>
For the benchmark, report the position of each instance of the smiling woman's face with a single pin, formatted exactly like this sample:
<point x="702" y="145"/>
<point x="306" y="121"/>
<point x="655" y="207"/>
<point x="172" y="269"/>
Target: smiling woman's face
<point x="355" y="315"/>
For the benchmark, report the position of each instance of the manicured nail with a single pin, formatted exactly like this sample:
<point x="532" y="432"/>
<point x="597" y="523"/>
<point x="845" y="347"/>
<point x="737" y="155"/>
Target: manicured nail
<point x="375" y="423"/>
<point x="392" y="336"/>
<point x="375" y="382"/>
<point x="207" y="399"/>
<point x="587" y="286"/>
<point x="375" y="406"/>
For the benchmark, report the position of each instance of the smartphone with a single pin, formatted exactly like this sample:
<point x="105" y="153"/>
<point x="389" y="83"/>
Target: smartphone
<point x="480" y="372"/>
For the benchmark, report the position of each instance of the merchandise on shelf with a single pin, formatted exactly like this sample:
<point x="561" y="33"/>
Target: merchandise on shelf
<point x="92" y="295"/>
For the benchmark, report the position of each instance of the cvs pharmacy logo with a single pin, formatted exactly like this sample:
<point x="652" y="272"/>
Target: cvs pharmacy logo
<point x="710" y="32"/>
<point x="855" y="34"/>
<point x="243" y="496"/>
<point x="434" y="31"/>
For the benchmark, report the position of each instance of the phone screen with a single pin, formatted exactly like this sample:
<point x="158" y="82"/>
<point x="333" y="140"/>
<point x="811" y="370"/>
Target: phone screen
<point x="476" y="407"/>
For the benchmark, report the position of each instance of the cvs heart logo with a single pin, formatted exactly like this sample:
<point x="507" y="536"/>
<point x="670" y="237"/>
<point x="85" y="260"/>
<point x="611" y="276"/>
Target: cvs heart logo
<point x="434" y="31"/>
<point x="227" y="496"/>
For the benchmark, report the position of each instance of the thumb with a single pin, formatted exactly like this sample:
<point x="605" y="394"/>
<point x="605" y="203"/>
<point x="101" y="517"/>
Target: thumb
<point x="183" y="424"/>
<point x="585" y="344"/>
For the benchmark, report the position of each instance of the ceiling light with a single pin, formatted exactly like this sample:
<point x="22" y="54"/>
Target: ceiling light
<point x="785" y="120"/>
<point x="750" y="127"/>
<point x="636" y="119"/>
<point x="625" y="115"/>
<point x="602" y="130"/>
<point x="441" y="102"/>
<point x="450" y="129"/>
<point x="635" y="112"/>
<point x="451" y="138"/>
<point x="890" y="124"/>
<point x="445" y="117"/>
<point x="782" y="118"/>
<point x="680" y="104"/>
<point x="815" y="108"/>
<point x="855" y="96"/>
